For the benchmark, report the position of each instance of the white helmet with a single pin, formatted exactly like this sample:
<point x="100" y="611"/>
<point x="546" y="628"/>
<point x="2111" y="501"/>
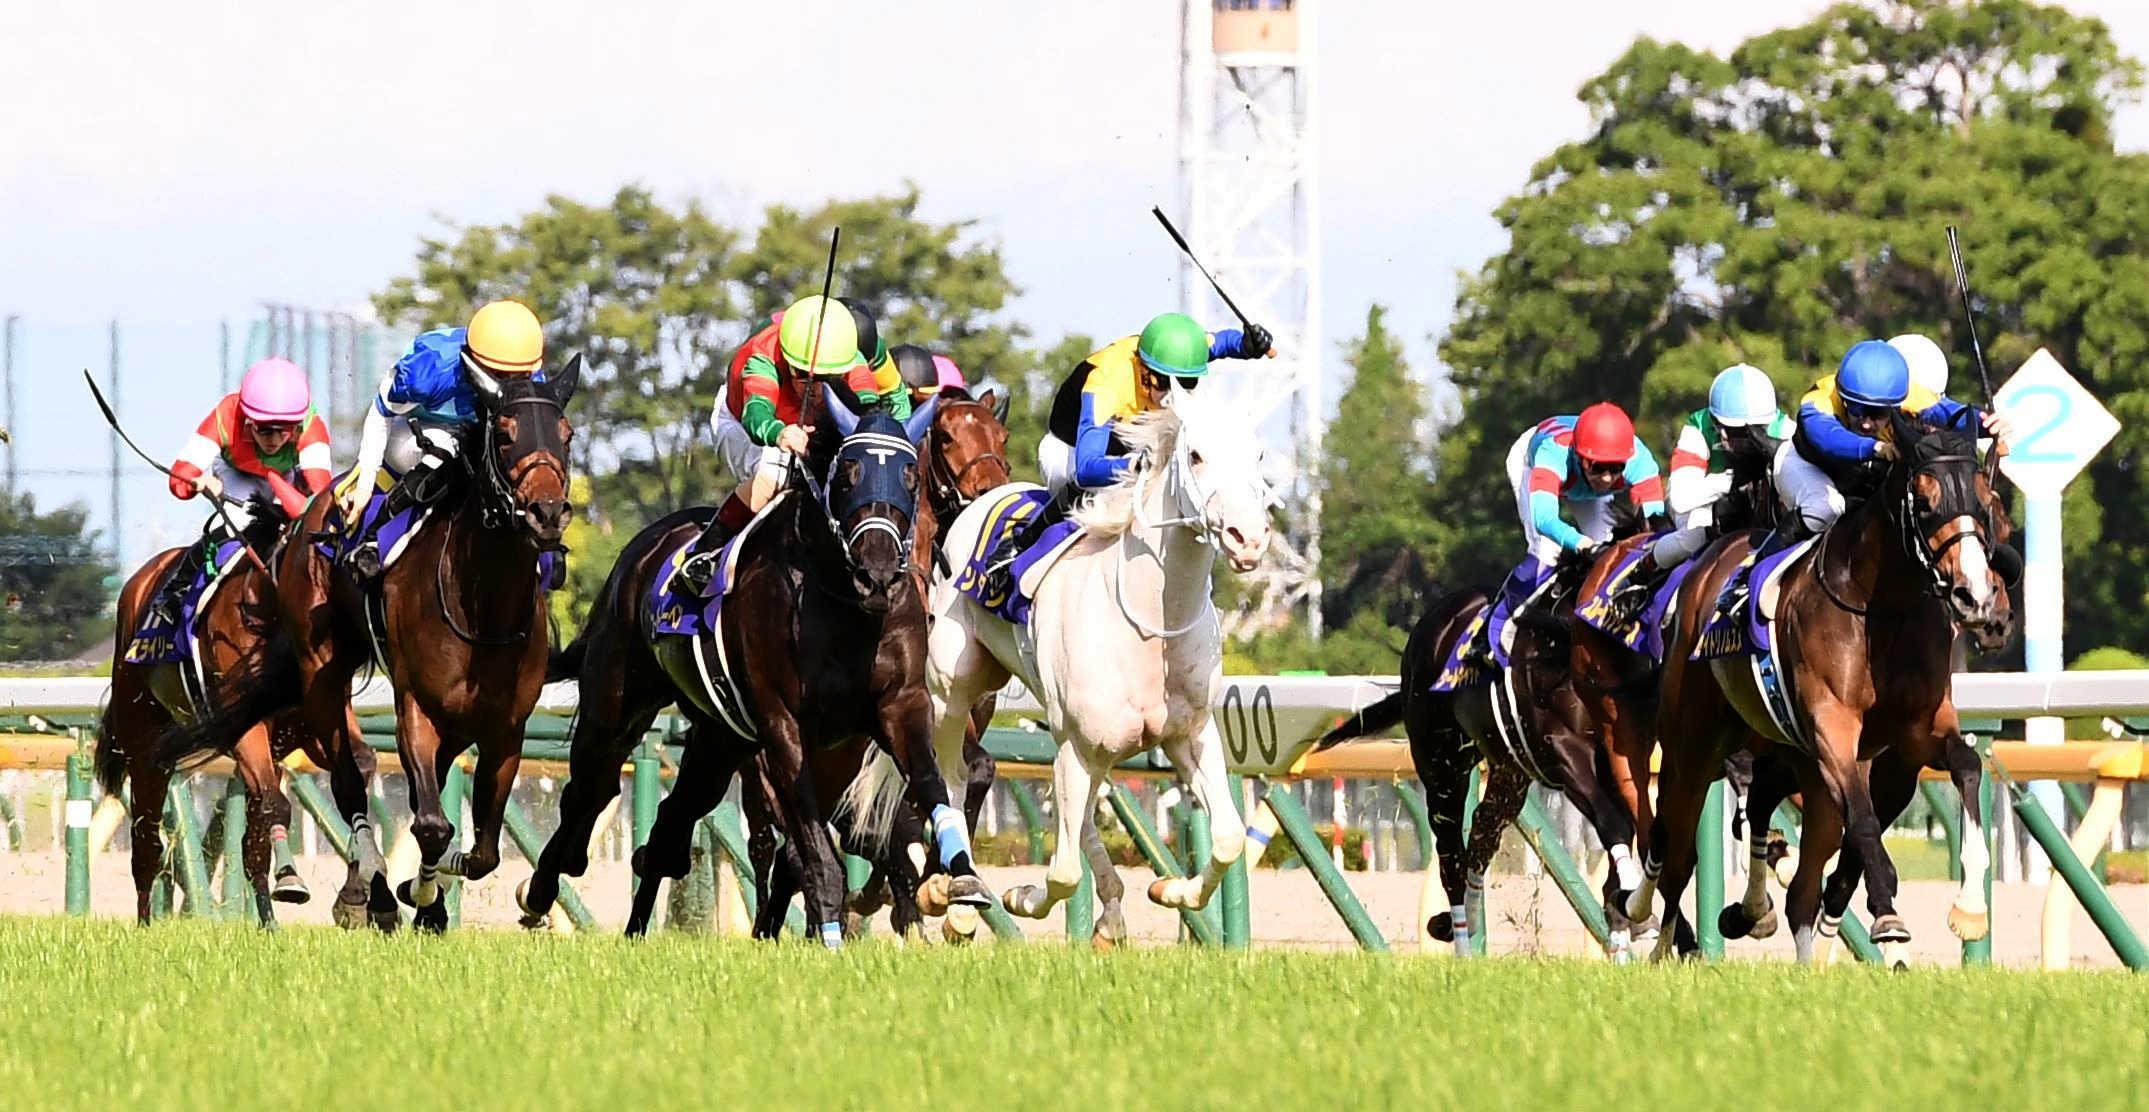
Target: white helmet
<point x="1928" y="364"/>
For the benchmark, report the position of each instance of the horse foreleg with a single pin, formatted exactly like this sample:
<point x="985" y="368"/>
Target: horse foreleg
<point x="604" y="734"/>
<point x="907" y="724"/>
<point x="1969" y="917"/>
<point x="1821" y="834"/>
<point x="418" y="742"/>
<point x="268" y="821"/>
<point x="1770" y="782"/>
<point x="669" y="852"/>
<point x="1204" y="754"/>
<point x="1836" y="733"/>
<point x="1074" y="792"/>
<point x="1111" y="923"/>
<point x="820" y="866"/>
<point x="147" y="786"/>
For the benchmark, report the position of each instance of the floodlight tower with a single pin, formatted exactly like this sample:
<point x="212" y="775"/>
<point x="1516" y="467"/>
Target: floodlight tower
<point x="1250" y="183"/>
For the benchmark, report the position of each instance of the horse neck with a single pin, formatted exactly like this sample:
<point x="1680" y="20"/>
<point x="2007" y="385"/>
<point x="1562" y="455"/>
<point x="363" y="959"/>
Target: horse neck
<point x="505" y="558"/>
<point x="1872" y="567"/>
<point x="1184" y="560"/>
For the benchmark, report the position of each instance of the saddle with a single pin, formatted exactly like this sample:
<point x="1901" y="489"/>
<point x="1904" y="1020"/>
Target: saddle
<point x="671" y="611"/>
<point x="1739" y="623"/>
<point x="155" y="642"/>
<point x="1645" y="634"/>
<point x="392" y="535"/>
<point x="1022" y="565"/>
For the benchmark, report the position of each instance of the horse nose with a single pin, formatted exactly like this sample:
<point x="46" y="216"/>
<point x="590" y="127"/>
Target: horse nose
<point x="551" y="515"/>
<point x="1238" y="539"/>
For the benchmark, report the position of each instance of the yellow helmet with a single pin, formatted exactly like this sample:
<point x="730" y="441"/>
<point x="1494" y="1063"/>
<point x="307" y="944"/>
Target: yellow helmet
<point x="837" y="351"/>
<point x="505" y="338"/>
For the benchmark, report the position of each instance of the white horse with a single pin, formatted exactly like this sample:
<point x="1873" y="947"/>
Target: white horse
<point x="1123" y="647"/>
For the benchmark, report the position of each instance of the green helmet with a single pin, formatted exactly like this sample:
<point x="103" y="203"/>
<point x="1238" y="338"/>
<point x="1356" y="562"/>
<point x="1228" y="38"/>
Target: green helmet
<point x="1173" y="344"/>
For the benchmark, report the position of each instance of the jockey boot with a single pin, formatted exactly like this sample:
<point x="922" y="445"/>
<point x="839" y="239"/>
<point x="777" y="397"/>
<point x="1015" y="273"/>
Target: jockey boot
<point x="363" y="560"/>
<point x="1000" y="569"/>
<point x="697" y="569"/>
<point x="171" y="593"/>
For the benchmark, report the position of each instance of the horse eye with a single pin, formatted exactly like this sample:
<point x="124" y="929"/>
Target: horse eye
<point x="1194" y="457"/>
<point x="910" y="477"/>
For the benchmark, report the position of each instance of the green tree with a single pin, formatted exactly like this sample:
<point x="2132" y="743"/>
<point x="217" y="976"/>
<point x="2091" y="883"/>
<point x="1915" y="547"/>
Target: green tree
<point x="1780" y="204"/>
<point x="54" y="604"/>
<point x="1377" y="515"/>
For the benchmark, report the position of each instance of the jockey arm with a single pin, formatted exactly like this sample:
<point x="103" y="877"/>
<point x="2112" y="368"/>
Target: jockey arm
<point x="764" y="383"/>
<point x="1691" y="486"/>
<point x="1113" y="390"/>
<point x="196" y="458"/>
<point x="373" y="434"/>
<point x="1645" y="485"/>
<point x="1549" y="463"/>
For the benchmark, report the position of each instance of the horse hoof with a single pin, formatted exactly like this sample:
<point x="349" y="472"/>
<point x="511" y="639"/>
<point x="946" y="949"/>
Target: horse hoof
<point x="349" y="916"/>
<point x="1766" y="925"/>
<point x="403" y="893"/>
<point x="1732" y="922"/>
<point x="952" y="936"/>
<point x="1160" y="892"/>
<point x="1017" y="901"/>
<point x="1890" y="928"/>
<point x="290" y="889"/>
<point x="432" y="919"/>
<point x="932" y="898"/>
<point x="968" y="892"/>
<point x="1102" y="943"/>
<point x="963" y="919"/>
<point x="1969" y="925"/>
<point x="1441" y="927"/>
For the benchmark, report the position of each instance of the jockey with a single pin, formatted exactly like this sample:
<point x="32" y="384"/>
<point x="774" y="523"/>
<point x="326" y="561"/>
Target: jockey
<point x="425" y="405"/>
<point x="758" y="416"/>
<point x="1129" y="376"/>
<point x="1845" y="437"/>
<point x="1579" y="464"/>
<point x="1722" y="446"/>
<point x="1928" y="364"/>
<point x="262" y="444"/>
<point x="879" y="359"/>
<point x="948" y="374"/>
<point x="919" y="371"/>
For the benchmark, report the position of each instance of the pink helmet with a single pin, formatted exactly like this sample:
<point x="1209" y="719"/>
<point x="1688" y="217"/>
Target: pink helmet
<point x="950" y="374"/>
<point x="275" y="391"/>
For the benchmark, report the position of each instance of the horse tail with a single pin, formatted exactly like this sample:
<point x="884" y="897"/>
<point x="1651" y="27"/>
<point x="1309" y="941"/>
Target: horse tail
<point x="111" y="764"/>
<point x="271" y="682"/>
<point x="871" y="803"/>
<point x="566" y="663"/>
<point x="1382" y="716"/>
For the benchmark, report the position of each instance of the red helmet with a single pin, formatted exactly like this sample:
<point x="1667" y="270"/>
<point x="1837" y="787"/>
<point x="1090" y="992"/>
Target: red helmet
<point x="1604" y="434"/>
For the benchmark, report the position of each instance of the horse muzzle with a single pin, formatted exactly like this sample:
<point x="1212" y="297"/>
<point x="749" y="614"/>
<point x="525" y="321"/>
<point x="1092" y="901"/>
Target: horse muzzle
<point x="547" y="520"/>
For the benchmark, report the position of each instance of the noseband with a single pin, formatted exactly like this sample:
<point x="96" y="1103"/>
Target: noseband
<point x="1910" y="527"/>
<point x="947" y="487"/>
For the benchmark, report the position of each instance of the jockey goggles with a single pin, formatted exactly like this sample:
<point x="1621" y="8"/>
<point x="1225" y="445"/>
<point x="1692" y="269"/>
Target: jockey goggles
<point x="1864" y="412"/>
<point x="1608" y="468"/>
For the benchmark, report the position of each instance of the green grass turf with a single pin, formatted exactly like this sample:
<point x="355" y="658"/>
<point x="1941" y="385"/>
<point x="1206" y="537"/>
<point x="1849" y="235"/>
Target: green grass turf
<point x="206" y="1015"/>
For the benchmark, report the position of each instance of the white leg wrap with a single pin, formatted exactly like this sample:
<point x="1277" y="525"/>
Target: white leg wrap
<point x="1626" y="868"/>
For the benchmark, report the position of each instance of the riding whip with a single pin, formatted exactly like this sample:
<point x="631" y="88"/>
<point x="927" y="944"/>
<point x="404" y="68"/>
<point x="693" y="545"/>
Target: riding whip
<point x="216" y="501"/>
<point x="1158" y="211"/>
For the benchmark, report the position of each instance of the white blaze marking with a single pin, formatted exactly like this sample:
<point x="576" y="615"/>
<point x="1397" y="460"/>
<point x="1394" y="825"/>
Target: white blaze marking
<point x="1972" y="562"/>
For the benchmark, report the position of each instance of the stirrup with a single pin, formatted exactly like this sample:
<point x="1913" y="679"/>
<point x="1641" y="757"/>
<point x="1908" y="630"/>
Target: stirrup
<point x="364" y="560"/>
<point x="697" y="570"/>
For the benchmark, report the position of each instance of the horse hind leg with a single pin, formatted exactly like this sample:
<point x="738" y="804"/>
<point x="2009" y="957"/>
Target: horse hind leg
<point x="668" y="854"/>
<point x="1771" y="781"/>
<point x="1111" y="928"/>
<point x="268" y="819"/>
<point x="1969" y="917"/>
<point x="1074" y="787"/>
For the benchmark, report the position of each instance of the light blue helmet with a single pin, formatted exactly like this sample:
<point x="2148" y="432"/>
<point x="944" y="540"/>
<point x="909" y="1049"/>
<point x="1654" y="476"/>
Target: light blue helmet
<point x="1741" y="396"/>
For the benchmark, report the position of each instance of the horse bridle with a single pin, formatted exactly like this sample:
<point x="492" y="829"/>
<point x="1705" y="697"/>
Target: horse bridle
<point x="946" y="489"/>
<point x="1913" y="536"/>
<point x="498" y="504"/>
<point x="1180" y="471"/>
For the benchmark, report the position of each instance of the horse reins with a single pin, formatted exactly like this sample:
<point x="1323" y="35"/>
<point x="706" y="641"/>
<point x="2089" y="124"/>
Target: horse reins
<point x="497" y="508"/>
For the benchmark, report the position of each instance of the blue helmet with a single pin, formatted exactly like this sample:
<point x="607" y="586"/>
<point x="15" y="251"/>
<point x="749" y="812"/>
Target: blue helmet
<point x="1873" y="374"/>
<point x="1741" y="396"/>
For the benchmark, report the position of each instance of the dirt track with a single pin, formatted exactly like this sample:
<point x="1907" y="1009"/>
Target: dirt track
<point x="1288" y="908"/>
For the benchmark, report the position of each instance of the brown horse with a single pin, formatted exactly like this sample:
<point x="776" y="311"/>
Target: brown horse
<point x="822" y="641"/>
<point x="1864" y="625"/>
<point x="1525" y="722"/>
<point x="233" y="629"/>
<point x="462" y="634"/>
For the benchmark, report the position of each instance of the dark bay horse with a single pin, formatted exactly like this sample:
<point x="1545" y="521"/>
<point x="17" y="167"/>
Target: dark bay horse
<point x="822" y="641"/>
<point x="237" y="621"/>
<point x="464" y="639"/>
<point x="1525" y="722"/>
<point x="1864" y="627"/>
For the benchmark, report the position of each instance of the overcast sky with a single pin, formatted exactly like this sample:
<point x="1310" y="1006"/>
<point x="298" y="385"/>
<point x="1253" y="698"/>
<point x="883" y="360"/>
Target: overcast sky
<point x="172" y="164"/>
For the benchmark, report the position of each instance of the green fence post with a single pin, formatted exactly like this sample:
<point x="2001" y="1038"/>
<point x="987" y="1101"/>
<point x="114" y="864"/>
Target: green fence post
<point x="728" y="827"/>
<point x="1198" y="848"/>
<point x="1421" y="821"/>
<point x="2077" y="797"/>
<point x="78" y="832"/>
<point x="647" y="773"/>
<point x="1082" y="907"/>
<point x="1709" y="873"/>
<point x="1033" y="819"/>
<point x="1474" y="899"/>
<point x="1946" y="808"/>
<point x="1160" y="859"/>
<point x="1536" y="828"/>
<point x="11" y="822"/>
<point x="183" y="848"/>
<point x="451" y="805"/>
<point x="1238" y="902"/>
<point x="1292" y="819"/>
<point x="2094" y="899"/>
<point x="526" y="842"/>
<point x="237" y="888"/>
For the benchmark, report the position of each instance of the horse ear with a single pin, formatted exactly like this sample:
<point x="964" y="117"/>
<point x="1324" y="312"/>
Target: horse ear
<point x="563" y="384"/>
<point x="921" y="420"/>
<point x="846" y="421"/>
<point x="990" y="400"/>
